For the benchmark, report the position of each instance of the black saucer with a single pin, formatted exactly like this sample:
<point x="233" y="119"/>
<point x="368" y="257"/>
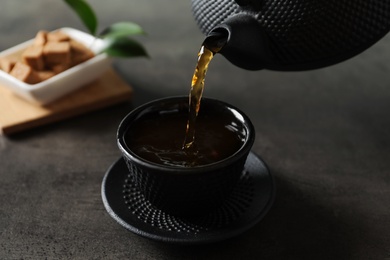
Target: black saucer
<point x="247" y="205"/>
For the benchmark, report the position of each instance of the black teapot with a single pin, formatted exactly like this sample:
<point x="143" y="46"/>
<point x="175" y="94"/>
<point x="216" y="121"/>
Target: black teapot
<point x="292" y="35"/>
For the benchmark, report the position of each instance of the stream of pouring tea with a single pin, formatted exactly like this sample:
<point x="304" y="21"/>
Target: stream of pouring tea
<point x="209" y="48"/>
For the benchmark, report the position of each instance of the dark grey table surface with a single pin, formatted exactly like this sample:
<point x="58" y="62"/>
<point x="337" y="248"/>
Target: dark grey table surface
<point x="325" y="135"/>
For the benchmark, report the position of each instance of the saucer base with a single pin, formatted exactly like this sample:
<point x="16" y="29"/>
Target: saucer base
<point x="247" y="205"/>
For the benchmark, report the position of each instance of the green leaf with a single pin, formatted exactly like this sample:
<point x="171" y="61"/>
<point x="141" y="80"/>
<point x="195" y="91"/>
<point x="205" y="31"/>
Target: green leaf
<point x="85" y="13"/>
<point x="122" y="29"/>
<point x="123" y="47"/>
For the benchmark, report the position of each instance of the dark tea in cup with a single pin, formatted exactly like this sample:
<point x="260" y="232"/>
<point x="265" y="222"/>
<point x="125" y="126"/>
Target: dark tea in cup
<point x="158" y="137"/>
<point x="182" y="181"/>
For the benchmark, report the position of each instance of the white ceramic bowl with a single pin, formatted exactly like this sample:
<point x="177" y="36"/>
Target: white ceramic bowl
<point x="63" y="83"/>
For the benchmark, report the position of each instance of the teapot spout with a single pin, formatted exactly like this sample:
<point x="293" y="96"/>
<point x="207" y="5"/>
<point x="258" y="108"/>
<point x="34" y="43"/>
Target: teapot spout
<point x="241" y="40"/>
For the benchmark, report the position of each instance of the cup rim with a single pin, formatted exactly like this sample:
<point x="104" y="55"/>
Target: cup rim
<point x="126" y="151"/>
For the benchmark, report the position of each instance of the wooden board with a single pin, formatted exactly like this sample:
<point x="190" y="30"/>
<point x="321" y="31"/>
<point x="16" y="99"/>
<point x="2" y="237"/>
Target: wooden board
<point x="17" y="114"/>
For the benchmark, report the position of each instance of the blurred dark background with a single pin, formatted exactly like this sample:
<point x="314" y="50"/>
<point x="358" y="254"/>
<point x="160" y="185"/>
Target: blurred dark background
<point x="324" y="133"/>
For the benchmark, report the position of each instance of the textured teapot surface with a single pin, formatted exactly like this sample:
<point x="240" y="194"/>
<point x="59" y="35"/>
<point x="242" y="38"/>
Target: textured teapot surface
<point x="302" y="34"/>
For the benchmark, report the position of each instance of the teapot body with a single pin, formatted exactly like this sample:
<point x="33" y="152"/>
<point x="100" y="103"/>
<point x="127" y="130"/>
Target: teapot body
<point x="295" y="34"/>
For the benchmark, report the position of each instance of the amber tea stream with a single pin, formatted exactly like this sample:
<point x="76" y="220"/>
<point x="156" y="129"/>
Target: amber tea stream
<point x="206" y="54"/>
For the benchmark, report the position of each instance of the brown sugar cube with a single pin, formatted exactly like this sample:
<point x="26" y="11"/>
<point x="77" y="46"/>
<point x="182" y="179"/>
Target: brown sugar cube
<point x="44" y="75"/>
<point x="6" y="64"/>
<point x="78" y="47"/>
<point x="79" y="58"/>
<point x="33" y="56"/>
<point x="58" y="68"/>
<point x="57" y="53"/>
<point x="57" y="36"/>
<point x="24" y="73"/>
<point x="41" y="38"/>
<point x="80" y="53"/>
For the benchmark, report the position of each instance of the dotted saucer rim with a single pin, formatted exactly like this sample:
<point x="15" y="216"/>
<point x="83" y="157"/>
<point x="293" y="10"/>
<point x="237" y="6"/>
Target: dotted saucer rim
<point x="111" y="192"/>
